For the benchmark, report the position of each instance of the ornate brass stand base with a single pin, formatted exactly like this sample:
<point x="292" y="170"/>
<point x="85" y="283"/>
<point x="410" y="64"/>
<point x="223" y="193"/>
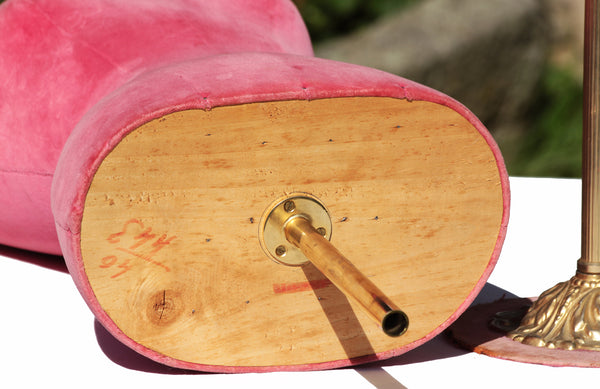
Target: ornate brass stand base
<point x="566" y="316"/>
<point x="482" y="329"/>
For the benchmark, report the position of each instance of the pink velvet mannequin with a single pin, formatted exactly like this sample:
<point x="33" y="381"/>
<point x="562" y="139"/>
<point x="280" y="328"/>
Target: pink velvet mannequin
<point x="60" y="57"/>
<point x="79" y="75"/>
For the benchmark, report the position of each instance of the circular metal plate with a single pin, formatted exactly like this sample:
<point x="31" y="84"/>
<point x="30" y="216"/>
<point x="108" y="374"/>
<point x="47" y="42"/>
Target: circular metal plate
<point x="272" y="235"/>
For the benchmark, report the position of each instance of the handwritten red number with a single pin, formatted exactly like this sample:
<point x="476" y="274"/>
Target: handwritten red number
<point x="112" y="260"/>
<point x="125" y="268"/>
<point x="142" y="238"/>
<point x="114" y="238"/>
<point x="108" y="261"/>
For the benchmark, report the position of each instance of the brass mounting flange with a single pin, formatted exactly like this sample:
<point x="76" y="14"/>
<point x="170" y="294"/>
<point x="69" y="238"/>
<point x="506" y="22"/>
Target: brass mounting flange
<point x="563" y="317"/>
<point x="272" y="228"/>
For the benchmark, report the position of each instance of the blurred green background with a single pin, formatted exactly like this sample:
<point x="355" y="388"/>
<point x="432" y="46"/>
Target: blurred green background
<point x="330" y="18"/>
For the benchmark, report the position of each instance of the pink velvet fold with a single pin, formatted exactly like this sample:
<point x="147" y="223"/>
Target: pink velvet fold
<point x="60" y="57"/>
<point x="221" y="81"/>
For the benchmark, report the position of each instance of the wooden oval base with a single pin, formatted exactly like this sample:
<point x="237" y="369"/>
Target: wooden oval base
<point x="169" y="235"/>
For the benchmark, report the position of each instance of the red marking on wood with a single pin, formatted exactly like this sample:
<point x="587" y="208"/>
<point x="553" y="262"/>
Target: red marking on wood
<point x="144" y="237"/>
<point x="295" y="287"/>
<point x="108" y="261"/>
<point x="123" y="265"/>
<point x="142" y="240"/>
<point x="147" y="258"/>
<point x="162" y="241"/>
<point x="111" y="260"/>
<point x="114" y="238"/>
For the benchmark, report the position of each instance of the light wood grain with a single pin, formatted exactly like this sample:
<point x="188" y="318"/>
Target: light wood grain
<point x="413" y="189"/>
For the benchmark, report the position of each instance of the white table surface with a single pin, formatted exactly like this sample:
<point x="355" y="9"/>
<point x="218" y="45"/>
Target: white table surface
<point x="49" y="337"/>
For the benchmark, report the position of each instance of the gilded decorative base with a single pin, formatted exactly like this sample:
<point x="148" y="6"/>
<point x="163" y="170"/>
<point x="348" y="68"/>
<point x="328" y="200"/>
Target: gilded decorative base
<point x="566" y="316"/>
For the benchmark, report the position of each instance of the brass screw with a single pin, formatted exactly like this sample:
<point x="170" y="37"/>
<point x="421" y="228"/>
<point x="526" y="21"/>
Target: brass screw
<point x="322" y="231"/>
<point x="280" y="251"/>
<point x="289" y="206"/>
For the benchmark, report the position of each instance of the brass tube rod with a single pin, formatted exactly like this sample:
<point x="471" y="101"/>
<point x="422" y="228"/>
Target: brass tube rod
<point x="589" y="263"/>
<point x="345" y="276"/>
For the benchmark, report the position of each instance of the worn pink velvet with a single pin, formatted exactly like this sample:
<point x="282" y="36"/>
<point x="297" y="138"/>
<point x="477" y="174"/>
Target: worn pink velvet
<point x="58" y="58"/>
<point x="79" y="75"/>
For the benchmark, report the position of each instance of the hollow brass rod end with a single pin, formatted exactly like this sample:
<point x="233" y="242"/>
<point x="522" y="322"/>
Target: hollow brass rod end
<point x="394" y="323"/>
<point x="345" y="276"/>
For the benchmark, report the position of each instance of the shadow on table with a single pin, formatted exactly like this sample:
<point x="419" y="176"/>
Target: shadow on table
<point x="47" y="261"/>
<point x="441" y="347"/>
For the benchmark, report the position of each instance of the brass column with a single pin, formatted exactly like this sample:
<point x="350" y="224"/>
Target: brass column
<point x="590" y="244"/>
<point x="567" y="315"/>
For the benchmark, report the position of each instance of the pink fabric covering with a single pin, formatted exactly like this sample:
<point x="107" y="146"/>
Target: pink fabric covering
<point x="60" y="57"/>
<point x="219" y="81"/>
